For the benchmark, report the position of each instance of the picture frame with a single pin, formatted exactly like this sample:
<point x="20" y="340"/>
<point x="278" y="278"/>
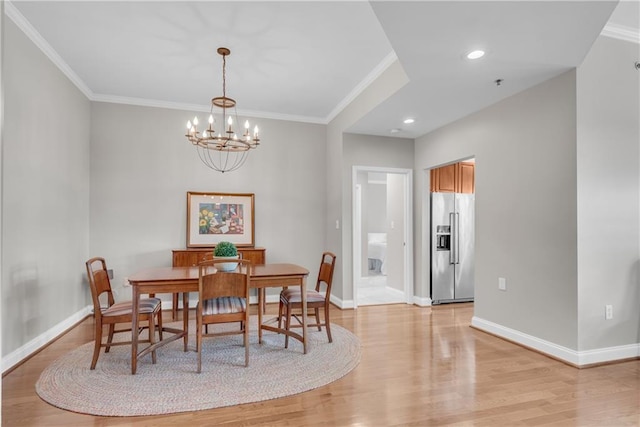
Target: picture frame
<point x="216" y="217"/>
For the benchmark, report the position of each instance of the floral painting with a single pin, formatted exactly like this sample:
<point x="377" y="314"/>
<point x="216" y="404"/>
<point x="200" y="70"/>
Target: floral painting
<point x="213" y="217"/>
<point x="221" y="218"/>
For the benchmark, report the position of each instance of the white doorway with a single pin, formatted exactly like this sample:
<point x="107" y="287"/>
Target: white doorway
<point x="382" y="236"/>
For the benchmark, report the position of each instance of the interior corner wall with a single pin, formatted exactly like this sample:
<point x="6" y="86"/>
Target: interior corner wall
<point x="45" y="193"/>
<point x="608" y="168"/>
<point x="338" y="209"/>
<point x="525" y="151"/>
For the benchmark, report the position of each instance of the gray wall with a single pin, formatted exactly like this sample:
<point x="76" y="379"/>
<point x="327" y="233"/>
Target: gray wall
<point x="45" y="193"/>
<point x="142" y="167"/>
<point x="608" y="93"/>
<point x="525" y="151"/>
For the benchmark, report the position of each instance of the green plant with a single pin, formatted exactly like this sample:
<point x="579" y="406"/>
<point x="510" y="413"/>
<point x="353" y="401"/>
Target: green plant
<point x="223" y="249"/>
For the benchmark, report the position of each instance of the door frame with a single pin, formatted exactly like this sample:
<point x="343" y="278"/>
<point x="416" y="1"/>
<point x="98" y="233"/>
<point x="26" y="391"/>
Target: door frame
<point x="356" y="239"/>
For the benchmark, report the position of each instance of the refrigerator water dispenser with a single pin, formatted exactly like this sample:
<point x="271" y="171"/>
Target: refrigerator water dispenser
<point x="443" y="237"/>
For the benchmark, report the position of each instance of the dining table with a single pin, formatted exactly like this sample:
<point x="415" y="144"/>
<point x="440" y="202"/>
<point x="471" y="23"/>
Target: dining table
<point x="185" y="279"/>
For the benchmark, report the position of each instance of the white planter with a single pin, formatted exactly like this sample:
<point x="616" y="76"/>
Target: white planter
<point x="227" y="266"/>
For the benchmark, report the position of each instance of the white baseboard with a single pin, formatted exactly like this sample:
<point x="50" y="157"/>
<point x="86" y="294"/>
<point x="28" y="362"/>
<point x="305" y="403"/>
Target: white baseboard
<point x="573" y="357"/>
<point x="422" y="302"/>
<point x="16" y="356"/>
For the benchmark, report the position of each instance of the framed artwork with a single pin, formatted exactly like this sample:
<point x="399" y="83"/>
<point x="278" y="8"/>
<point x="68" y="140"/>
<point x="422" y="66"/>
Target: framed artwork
<point x="217" y="217"/>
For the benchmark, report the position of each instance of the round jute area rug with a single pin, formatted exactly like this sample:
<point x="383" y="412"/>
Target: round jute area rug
<point x="173" y="385"/>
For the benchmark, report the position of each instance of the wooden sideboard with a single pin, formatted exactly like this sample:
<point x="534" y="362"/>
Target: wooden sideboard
<point x="192" y="256"/>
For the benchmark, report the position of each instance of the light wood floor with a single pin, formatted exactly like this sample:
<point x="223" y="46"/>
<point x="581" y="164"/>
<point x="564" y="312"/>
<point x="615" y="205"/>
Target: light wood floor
<point x="419" y="367"/>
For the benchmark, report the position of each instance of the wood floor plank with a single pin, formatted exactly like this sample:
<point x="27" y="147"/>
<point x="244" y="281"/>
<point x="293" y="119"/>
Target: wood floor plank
<point x="419" y="366"/>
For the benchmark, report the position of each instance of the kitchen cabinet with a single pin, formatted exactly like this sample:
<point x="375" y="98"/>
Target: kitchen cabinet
<point x="456" y="178"/>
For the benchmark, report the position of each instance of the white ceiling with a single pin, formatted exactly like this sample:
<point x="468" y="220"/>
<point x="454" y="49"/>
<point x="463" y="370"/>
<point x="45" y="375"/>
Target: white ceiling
<point x="306" y="60"/>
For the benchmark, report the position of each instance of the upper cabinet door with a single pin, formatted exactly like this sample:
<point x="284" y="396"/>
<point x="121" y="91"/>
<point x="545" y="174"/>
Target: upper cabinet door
<point x="445" y="179"/>
<point x="455" y="178"/>
<point x="466" y="177"/>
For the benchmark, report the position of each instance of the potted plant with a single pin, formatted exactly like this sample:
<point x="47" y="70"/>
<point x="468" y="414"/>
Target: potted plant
<point x="226" y="250"/>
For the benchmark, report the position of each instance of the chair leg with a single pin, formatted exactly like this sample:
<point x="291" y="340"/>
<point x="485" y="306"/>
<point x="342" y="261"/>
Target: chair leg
<point x="317" y="312"/>
<point x="246" y="344"/>
<point x="160" y="323"/>
<point x="327" y="323"/>
<point x="152" y="337"/>
<point x="199" y="345"/>
<point x="280" y="309"/>
<point x="112" y="328"/>
<point x="287" y="325"/>
<point x="97" y="345"/>
<point x="174" y="306"/>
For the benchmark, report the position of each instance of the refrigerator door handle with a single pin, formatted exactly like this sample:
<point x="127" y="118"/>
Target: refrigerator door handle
<point x="457" y="238"/>
<point x="452" y="240"/>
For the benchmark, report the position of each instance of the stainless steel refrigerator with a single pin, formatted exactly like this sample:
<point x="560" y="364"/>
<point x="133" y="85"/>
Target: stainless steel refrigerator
<point x="452" y="247"/>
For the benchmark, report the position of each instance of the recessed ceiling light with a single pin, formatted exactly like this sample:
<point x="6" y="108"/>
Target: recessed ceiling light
<point x="395" y="130"/>
<point x="475" y="54"/>
<point x="409" y="121"/>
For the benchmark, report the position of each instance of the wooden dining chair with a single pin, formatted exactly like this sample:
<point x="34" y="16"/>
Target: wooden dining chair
<point x="291" y="299"/>
<point x="223" y="298"/>
<point x="113" y="313"/>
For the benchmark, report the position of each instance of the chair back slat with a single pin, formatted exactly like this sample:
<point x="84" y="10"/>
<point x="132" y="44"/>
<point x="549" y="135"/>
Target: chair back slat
<point x="223" y="284"/>
<point x="325" y="275"/>
<point x="214" y="283"/>
<point x="99" y="282"/>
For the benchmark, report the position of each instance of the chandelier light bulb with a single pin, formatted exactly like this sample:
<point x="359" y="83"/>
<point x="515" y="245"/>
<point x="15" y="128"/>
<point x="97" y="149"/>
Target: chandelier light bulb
<point x="188" y="125"/>
<point x="255" y="130"/>
<point x="230" y="121"/>
<point x="246" y="124"/>
<point x="195" y="121"/>
<point x="211" y="120"/>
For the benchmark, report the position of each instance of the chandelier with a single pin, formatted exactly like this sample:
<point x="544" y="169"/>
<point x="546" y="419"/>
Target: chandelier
<point x="223" y="151"/>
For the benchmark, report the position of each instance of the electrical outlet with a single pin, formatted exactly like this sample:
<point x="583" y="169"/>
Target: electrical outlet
<point x="126" y="282"/>
<point x="608" y="312"/>
<point x="502" y="283"/>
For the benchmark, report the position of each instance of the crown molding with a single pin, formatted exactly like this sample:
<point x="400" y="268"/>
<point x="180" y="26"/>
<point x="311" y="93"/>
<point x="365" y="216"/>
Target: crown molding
<point x="141" y="102"/>
<point x="26" y="27"/>
<point x="370" y="78"/>
<point x="622" y="32"/>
